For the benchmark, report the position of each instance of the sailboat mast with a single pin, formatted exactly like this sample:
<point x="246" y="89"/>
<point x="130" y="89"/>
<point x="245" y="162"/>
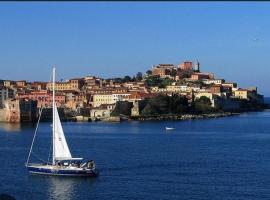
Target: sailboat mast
<point x="53" y="108"/>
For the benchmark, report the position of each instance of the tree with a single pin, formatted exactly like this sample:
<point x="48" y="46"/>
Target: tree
<point x="122" y="108"/>
<point x="165" y="82"/>
<point x="153" y="81"/>
<point x="204" y="100"/>
<point x="117" y="80"/>
<point x="178" y="104"/>
<point x="157" y="105"/>
<point x="173" y="73"/>
<point x="163" y="104"/>
<point x="203" y="105"/>
<point x="139" y="76"/>
<point x="133" y="79"/>
<point x="149" y="72"/>
<point x="149" y="110"/>
<point x="126" y="79"/>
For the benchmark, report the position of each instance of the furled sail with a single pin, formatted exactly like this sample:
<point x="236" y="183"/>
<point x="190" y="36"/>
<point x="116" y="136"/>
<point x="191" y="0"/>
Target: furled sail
<point x="61" y="150"/>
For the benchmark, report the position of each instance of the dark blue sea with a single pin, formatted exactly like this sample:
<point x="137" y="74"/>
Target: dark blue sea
<point x="220" y="159"/>
<point x="267" y="100"/>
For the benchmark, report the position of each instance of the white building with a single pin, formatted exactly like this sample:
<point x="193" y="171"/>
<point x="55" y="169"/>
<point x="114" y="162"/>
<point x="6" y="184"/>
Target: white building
<point x="213" y="81"/>
<point x="99" y="99"/>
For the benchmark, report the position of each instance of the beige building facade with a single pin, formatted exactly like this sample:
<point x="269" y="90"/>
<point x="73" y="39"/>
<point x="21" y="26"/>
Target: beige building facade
<point x="99" y="99"/>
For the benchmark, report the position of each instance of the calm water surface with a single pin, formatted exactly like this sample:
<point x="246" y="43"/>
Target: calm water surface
<point x="225" y="158"/>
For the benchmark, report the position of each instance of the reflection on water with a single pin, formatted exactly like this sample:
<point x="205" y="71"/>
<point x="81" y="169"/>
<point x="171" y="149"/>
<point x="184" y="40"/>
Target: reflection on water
<point x="10" y="127"/>
<point x="65" y="187"/>
<point x="61" y="188"/>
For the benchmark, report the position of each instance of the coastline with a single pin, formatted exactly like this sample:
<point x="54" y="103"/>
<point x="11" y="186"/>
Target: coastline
<point x="168" y="117"/>
<point x="184" y="116"/>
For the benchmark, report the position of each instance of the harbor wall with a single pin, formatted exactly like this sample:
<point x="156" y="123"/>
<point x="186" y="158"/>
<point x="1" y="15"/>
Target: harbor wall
<point x="16" y="111"/>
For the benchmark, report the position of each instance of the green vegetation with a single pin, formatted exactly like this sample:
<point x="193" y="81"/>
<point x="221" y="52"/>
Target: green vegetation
<point x="173" y="73"/>
<point x="149" y="72"/>
<point x="125" y="79"/>
<point x="155" y="81"/>
<point x="202" y="105"/>
<point x="163" y="104"/>
<point x="122" y="108"/>
<point x="176" y="104"/>
<point x="139" y="76"/>
<point x="251" y="105"/>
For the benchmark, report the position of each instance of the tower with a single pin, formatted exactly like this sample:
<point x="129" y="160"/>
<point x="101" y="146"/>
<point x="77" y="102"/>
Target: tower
<point x="197" y="66"/>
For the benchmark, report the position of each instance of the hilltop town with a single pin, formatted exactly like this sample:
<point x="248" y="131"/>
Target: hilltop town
<point x="165" y="89"/>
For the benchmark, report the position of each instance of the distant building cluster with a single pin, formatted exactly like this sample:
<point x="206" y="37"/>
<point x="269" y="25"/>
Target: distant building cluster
<point x="99" y="96"/>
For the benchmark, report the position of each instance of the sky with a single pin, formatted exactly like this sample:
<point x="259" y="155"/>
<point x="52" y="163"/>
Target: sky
<point x="114" y="39"/>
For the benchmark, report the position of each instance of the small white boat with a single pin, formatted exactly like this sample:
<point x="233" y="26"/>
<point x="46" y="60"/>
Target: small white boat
<point x="169" y="128"/>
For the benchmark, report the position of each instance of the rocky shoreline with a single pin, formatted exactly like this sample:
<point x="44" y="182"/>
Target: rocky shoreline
<point x="183" y="117"/>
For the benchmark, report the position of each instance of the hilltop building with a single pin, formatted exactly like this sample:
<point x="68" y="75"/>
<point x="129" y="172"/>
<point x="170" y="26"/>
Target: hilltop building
<point x="163" y="70"/>
<point x="187" y="65"/>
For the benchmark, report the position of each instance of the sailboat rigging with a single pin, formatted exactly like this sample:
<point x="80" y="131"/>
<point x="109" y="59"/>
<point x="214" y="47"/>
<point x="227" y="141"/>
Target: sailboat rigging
<point x="62" y="163"/>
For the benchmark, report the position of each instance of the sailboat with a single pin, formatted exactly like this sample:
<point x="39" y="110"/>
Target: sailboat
<point x="169" y="128"/>
<point x="62" y="163"/>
